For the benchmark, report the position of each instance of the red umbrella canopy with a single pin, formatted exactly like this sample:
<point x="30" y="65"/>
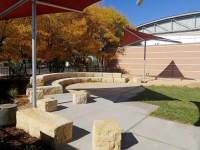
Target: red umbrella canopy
<point x="132" y="36"/>
<point x="23" y="8"/>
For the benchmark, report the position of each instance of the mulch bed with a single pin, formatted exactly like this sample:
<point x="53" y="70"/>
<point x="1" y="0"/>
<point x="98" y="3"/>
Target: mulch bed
<point x="12" y="138"/>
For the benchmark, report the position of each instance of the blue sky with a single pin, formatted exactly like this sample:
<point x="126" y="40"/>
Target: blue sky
<point x="152" y="9"/>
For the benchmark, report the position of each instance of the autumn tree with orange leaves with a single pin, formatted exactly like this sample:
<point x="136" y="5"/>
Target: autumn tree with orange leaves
<point x="68" y="37"/>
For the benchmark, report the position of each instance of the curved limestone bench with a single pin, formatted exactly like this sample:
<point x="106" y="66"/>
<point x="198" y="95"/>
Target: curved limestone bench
<point x="44" y="90"/>
<point x="60" y="80"/>
<point x="68" y="81"/>
<point x="46" y="79"/>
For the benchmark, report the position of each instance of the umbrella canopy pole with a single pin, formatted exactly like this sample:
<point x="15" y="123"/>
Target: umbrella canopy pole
<point x="145" y="50"/>
<point x="34" y="103"/>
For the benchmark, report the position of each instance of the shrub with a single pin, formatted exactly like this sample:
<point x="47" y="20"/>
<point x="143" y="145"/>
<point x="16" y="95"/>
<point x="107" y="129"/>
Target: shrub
<point x="13" y="92"/>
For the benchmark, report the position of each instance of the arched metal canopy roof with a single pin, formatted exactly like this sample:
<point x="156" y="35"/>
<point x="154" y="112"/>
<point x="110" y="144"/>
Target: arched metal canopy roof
<point x="178" y="23"/>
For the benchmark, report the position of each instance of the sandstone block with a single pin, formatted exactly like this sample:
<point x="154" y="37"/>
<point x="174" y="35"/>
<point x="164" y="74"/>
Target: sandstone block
<point x="81" y="74"/>
<point x="79" y="97"/>
<point x="39" y="94"/>
<point x="133" y="80"/>
<point x="107" y="80"/>
<point x="98" y="74"/>
<point x="117" y="75"/>
<point x="39" y="80"/>
<point x="49" y="90"/>
<point x="108" y="75"/>
<point x="89" y="74"/>
<point x="96" y="79"/>
<point x="85" y="79"/>
<point x="50" y="128"/>
<point x="119" y="80"/>
<point x="106" y="135"/>
<point x="67" y="75"/>
<point x="47" y="104"/>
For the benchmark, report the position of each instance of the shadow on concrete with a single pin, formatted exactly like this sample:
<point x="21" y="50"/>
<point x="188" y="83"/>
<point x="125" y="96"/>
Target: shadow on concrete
<point x="78" y="133"/>
<point x="128" y="140"/>
<point x="61" y="107"/>
<point x="65" y="102"/>
<point x="129" y="94"/>
<point x="91" y="99"/>
<point x="118" y="94"/>
<point x="150" y="95"/>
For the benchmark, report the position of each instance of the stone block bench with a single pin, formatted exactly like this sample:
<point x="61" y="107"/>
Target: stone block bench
<point x="46" y="79"/>
<point x="39" y="94"/>
<point x="68" y="81"/>
<point x="58" y="81"/>
<point x="44" y="90"/>
<point x="106" y="135"/>
<point x="50" y="128"/>
<point x="47" y="104"/>
<point x="79" y="97"/>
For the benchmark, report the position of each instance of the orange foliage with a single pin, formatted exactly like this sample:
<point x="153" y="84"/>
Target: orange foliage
<point x="63" y="36"/>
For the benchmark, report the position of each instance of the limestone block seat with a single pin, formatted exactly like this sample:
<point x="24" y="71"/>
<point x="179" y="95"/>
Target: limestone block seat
<point x="50" y="128"/>
<point x="45" y="90"/>
<point x="79" y="97"/>
<point x="39" y="94"/>
<point x="47" y="104"/>
<point x="106" y="135"/>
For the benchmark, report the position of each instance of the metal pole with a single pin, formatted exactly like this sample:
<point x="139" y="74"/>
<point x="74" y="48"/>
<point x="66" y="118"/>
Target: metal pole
<point x="145" y="48"/>
<point x="34" y="103"/>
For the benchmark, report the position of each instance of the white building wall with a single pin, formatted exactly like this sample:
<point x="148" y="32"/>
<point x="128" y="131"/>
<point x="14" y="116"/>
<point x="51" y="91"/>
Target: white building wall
<point x="185" y="38"/>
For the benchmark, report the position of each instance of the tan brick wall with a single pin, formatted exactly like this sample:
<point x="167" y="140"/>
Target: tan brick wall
<point x="185" y="56"/>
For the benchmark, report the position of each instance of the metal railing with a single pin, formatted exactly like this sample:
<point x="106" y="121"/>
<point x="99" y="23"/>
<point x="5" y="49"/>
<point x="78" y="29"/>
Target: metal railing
<point x="6" y="71"/>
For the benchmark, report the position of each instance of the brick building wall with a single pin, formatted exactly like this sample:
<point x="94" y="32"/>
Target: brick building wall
<point x="163" y="60"/>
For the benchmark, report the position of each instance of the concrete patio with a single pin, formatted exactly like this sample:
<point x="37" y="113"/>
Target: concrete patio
<point x="140" y="131"/>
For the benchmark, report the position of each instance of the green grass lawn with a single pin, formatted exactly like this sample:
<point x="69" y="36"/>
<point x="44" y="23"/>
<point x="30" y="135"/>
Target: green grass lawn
<point x="181" y="104"/>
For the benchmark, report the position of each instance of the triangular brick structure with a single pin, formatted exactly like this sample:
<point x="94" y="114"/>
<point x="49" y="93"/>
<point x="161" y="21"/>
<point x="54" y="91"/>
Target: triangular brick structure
<point x="171" y="71"/>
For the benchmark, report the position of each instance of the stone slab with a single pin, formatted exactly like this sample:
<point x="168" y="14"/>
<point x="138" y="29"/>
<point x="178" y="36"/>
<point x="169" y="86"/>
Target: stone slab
<point x="119" y="80"/>
<point x="117" y="75"/>
<point x="79" y="97"/>
<point x="106" y="135"/>
<point x="51" y="128"/>
<point x="107" y="80"/>
<point x="39" y="94"/>
<point x="108" y="75"/>
<point x="47" y="104"/>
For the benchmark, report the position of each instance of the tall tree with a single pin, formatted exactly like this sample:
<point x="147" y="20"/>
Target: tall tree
<point x="68" y="36"/>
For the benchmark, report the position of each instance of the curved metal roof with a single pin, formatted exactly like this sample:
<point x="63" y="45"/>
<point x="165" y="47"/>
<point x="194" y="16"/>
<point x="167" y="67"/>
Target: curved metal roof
<point x="178" y="23"/>
<point x="165" y="19"/>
